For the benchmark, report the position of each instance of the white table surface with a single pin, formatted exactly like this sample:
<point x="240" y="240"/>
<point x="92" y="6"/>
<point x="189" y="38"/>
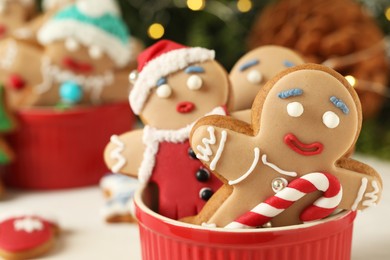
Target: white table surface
<point x="86" y="236"/>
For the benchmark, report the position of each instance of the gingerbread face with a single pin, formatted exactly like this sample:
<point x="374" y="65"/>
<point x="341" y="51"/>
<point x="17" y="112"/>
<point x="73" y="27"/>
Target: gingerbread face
<point x="73" y="56"/>
<point x="255" y="68"/>
<point x="186" y="95"/>
<point x="314" y="119"/>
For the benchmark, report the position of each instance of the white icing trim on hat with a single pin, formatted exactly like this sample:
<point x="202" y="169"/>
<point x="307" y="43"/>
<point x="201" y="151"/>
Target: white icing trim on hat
<point x="89" y="35"/>
<point x="162" y="66"/>
<point x="96" y="8"/>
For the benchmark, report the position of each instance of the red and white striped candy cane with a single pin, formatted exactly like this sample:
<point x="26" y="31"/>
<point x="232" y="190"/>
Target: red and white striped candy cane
<point x="298" y="188"/>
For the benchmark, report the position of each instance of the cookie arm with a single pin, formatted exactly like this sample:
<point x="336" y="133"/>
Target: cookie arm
<point x="362" y="186"/>
<point x="124" y="153"/>
<point x="220" y="147"/>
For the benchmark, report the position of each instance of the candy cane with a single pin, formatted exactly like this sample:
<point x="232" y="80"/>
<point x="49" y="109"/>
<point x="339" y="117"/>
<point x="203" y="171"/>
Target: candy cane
<point x="298" y="188"/>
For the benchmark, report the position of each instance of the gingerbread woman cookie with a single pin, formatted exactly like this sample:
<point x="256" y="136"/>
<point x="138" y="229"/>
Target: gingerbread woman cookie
<point x="26" y="236"/>
<point x="14" y="14"/>
<point x="175" y="86"/>
<point x="255" y="68"/>
<point x="290" y="165"/>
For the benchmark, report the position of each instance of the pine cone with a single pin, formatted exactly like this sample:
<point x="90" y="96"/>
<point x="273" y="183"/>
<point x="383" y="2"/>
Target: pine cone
<point x="321" y="30"/>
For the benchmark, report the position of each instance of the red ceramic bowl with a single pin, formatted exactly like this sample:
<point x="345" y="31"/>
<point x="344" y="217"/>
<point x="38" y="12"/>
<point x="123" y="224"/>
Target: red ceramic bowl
<point x="163" y="238"/>
<point x="64" y="149"/>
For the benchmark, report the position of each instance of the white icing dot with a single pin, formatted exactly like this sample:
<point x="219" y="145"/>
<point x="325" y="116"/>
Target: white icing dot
<point x="330" y="119"/>
<point x="295" y="109"/>
<point x="71" y="44"/>
<point x="164" y="91"/>
<point x="95" y="52"/>
<point x="254" y="77"/>
<point x="194" y="82"/>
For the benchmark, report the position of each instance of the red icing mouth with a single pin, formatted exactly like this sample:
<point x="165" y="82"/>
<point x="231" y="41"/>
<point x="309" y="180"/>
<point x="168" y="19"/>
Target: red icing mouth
<point x="185" y="107"/>
<point x="75" y="66"/>
<point x="3" y="30"/>
<point x="304" y="149"/>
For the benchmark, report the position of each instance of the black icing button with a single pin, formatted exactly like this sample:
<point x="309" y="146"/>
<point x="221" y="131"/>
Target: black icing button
<point x="202" y="175"/>
<point x="191" y="153"/>
<point x="205" y="194"/>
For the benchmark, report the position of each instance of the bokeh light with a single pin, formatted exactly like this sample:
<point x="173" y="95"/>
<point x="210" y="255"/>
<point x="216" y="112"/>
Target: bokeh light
<point x="244" y="5"/>
<point x="156" y="31"/>
<point x="196" y="5"/>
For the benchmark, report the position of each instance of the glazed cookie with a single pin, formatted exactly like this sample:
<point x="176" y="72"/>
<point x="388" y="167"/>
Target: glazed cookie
<point x="26" y="236"/>
<point x="290" y="165"/>
<point x="119" y="191"/>
<point x="175" y="86"/>
<point x="14" y="14"/>
<point x="255" y="68"/>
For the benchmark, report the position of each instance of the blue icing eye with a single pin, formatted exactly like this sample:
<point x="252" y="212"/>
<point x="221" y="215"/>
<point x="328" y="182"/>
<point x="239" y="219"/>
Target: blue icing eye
<point x="71" y="92"/>
<point x="161" y="81"/>
<point x="288" y="64"/>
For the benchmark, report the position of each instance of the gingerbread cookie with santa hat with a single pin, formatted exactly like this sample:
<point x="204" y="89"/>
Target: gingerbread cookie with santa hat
<point x="85" y="44"/>
<point x="175" y="86"/>
<point x="14" y="14"/>
<point x="254" y="69"/>
<point x="291" y="164"/>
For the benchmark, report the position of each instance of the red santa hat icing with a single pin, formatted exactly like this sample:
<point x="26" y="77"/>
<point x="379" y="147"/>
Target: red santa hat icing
<point x="160" y="60"/>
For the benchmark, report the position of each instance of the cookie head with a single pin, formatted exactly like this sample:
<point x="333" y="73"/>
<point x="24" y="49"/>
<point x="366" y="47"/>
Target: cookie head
<point x="87" y="36"/>
<point x="178" y="85"/>
<point x="255" y="68"/>
<point x="309" y="114"/>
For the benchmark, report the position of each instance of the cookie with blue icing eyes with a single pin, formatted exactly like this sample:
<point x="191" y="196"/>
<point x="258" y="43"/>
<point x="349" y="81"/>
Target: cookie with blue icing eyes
<point x="255" y="68"/>
<point x="290" y="165"/>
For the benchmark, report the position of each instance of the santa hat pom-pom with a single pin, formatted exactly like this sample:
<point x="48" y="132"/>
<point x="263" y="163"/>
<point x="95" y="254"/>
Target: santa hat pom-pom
<point x="96" y="8"/>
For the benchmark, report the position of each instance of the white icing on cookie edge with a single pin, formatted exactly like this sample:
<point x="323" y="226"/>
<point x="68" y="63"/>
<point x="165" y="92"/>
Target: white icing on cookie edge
<point x="220" y="149"/>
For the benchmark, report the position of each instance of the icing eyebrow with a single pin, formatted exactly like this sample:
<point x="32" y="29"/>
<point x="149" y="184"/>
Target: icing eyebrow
<point x="194" y="69"/>
<point x="161" y="81"/>
<point x="339" y="104"/>
<point x="249" y="64"/>
<point x="288" y="63"/>
<point x="290" y="93"/>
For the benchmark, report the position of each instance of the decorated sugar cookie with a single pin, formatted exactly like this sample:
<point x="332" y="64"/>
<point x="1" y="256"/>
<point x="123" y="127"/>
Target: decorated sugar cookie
<point x="26" y="236"/>
<point x="14" y="14"/>
<point x="175" y="86"/>
<point x="290" y="165"/>
<point x="119" y="190"/>
<point x="254" y="69"/>
<point x="85" y="46"/>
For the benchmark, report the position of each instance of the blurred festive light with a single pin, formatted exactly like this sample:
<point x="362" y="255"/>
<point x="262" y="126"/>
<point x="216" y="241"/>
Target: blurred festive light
<point x="387" y="13"/>
<point x="351" y="80"/>
<point x="156" y="31"/>
<point x="244" y="5"/>
<point x="196" y="5"/>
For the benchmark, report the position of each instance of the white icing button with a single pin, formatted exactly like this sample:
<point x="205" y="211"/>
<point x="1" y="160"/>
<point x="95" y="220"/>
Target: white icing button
<point x="164" y="91"/>
<point x="295" y="109"/>
<point x="194" y="82"/>
<point x="133" y="76"/>
<point x="279" y="184"/>
<point x="95" y="52"/>
<point x="71" y="44"/>
<point x="330" y="119"/>
<point x="254" y="77"/>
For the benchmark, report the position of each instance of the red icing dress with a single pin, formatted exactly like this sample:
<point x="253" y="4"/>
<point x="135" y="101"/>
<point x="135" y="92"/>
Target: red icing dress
<point x="184" y="184"/>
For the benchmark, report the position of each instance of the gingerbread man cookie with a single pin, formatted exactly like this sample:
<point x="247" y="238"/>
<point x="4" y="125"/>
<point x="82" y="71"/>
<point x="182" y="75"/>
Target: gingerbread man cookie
<point x="255" y="68"/>
<point x="290" y="165"/>
<point x="26" y="236"/>
<point x="84" y="44"/>
<point x="175" y="86"/>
